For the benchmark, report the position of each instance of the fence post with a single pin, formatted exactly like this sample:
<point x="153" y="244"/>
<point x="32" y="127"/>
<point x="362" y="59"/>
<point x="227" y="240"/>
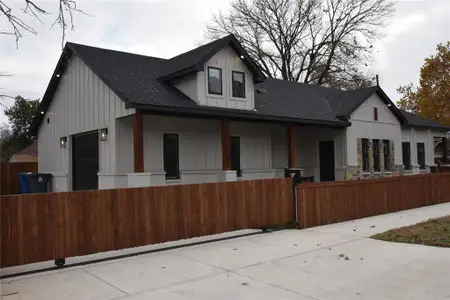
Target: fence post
<point x="294" y="186"/>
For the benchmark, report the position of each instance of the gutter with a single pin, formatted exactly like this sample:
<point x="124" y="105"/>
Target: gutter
<point x="233" y="114"/>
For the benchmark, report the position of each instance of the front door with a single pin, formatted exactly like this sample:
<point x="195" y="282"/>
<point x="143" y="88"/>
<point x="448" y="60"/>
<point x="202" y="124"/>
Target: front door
<point x="85" y="161"/>
<point x="326" y="156"/>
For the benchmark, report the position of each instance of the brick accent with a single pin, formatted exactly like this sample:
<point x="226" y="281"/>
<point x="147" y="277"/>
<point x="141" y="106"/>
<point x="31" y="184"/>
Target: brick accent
<point x="352" y="172"/>
<point x="359" y="154"/>
<point x="392" y="155"/>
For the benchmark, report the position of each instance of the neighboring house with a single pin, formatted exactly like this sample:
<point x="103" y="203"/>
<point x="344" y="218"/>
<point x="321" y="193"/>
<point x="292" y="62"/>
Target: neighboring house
<point x="439" y="150"/>
<point x="28" y="154"/>
<point x="111" y="119"/>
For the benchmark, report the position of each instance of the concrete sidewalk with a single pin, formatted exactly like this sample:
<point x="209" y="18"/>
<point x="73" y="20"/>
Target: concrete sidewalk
<point x="337" y="261"/>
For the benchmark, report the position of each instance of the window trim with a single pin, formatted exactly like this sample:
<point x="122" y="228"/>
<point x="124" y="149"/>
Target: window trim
<point x="421" y="167"/>
<point x="403" y="157"/>
<point x="232" y="82"/>
<point x="375" y="114"/>
<point x="177" y="177"/>
<point x="221" y="81"/>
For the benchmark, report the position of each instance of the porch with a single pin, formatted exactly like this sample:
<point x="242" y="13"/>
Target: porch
<point x="155" y="150"/>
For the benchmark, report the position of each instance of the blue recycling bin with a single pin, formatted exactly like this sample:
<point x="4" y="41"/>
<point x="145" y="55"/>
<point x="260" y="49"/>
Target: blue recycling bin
<point x="24" y="187"/>
<point x="35" y="183"/>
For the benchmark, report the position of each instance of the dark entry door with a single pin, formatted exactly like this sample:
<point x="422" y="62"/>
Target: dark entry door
<point x="326" y="156"/>
<point x="85" y="161"/>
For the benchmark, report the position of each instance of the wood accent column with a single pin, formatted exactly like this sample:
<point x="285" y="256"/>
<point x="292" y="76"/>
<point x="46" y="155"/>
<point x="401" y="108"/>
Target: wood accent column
<point x="292" y="162"/>
<point x="226" y="147"/>
<point x="138" y="142"/>
<point x="445" y="151"/>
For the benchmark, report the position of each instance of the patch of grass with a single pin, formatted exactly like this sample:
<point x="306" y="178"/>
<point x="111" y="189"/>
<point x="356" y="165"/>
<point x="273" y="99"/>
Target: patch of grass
<point x="435" y="232"/>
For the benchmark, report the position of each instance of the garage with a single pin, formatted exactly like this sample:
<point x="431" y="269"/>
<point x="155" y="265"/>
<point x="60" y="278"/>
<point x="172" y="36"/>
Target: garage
<point x="85" y="163"/>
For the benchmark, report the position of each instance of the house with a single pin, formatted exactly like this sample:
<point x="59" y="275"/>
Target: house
<point x="28" y="154"/>
<point x="111" y="119"/>
<point x="439" y="150"/>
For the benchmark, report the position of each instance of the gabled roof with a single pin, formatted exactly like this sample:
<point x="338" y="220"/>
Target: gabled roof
<point x="349" y="101"/>
<point x="419" y="121"/>
<point x="135" y="79"/>
<point x="193" y="61"/>
<point x="30" y="150"/>
<point x="143" y="82"/>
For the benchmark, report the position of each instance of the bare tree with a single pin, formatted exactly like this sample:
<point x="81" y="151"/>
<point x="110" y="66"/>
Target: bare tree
<point x="19" y="26"/>
<point x="321" y="42"/>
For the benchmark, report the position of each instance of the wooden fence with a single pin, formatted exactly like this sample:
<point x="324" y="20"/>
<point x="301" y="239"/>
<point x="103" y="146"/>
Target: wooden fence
<point x="9" y="176"/>
<point x="325" y="203"/>
<point x="42" y="227"/>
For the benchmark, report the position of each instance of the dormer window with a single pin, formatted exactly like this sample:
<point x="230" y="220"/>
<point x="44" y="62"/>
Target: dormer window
<point x="238" y="84"/>
<point x="214" y="81"/>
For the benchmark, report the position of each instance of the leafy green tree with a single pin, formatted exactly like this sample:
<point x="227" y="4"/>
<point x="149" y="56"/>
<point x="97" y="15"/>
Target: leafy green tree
<point x="7" y="144"/>
<point x="20" y="115"/>
<point x="17" y="136"/>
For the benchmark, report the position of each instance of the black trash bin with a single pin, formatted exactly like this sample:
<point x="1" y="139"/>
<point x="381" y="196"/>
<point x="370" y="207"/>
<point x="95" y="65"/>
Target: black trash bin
<point x="296" y="174"/>
<point x="39" y="182"/>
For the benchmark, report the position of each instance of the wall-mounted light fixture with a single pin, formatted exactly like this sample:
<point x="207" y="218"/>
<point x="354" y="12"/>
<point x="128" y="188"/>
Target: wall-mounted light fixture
<point x="242" y="56"/>
<point x="103" y="134"/>
<point x="63" y="142"/>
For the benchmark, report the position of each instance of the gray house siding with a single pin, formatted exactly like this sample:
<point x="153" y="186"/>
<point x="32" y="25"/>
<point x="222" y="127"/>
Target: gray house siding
<point x="82" y="103"/>
<point x="200" y="152"/>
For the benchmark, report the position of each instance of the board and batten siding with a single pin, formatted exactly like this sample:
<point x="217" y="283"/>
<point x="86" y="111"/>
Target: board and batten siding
<point x="416" y="135"/>
<point x="200" y="150"/>
<point x="307" y="146"/>
<point x="196" y="86"/>
<point x="364" y="126"/>
<point x="81" y="103"/>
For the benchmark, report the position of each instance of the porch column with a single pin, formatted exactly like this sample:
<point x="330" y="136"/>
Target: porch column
<point x="445" y="151"/>
<point x="292" y="162"/>
<point x="226" y="147"/>
<point x="138" y="142"/>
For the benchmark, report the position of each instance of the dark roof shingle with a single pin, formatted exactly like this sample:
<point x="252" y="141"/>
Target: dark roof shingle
<point x="419" y="121"/>
<point x="136" y="79"/>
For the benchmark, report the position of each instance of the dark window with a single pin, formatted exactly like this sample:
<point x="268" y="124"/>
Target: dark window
<point x="421" y="155"/>
<point x="406" y="152"/>
<point x="236" y="155"/>
<point x="214" y="81"/>
<point x="375" y="113"/>
<point x="365" y="155"/>
<point x="387" y="155"/>
<point x="238" y="84"/>
<point x="171" y="157"/>
<point x="376" y="155"/>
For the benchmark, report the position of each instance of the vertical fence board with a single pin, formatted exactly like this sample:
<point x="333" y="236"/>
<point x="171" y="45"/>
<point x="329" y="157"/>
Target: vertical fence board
<point x="9" y="176"/>
<point x="38" y="227"/>
<point x="58" y="225"/>
<point x="325" y="203"/>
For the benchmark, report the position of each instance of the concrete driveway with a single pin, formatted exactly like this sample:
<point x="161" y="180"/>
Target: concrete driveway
<point x="329" y="262"/>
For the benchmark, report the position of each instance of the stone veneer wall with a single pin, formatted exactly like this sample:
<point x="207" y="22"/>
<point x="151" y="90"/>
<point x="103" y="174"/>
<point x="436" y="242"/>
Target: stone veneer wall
<point x="356" y="172"/>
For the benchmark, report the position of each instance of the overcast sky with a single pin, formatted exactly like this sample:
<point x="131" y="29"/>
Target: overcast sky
<point x="165" y="28"/>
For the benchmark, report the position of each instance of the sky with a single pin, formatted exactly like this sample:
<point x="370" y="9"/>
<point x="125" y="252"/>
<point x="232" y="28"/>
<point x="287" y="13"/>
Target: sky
<point x="165" y="28"/>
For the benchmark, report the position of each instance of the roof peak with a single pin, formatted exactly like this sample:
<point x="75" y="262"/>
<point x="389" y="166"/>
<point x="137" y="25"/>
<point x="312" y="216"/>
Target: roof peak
<point x="71" y="44"/>
<point x="217" y="41"/>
